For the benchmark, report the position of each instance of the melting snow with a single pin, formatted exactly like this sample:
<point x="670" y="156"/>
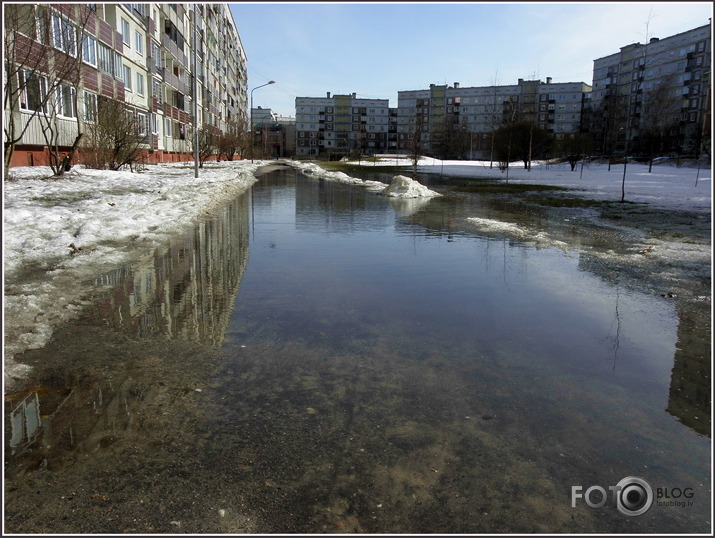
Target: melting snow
<point x="404" y="187"/>
<point x="59" y="232"/>
<point x="401" y="186"/>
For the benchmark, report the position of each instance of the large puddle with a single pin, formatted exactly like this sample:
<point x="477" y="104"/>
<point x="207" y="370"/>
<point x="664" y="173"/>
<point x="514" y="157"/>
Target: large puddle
<point x="317" y="358"/>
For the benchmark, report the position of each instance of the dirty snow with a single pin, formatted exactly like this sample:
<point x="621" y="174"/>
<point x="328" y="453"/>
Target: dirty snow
<point x="405" y="187"/>
<point x="401" y="186"/>
<point x="58" y="233"/>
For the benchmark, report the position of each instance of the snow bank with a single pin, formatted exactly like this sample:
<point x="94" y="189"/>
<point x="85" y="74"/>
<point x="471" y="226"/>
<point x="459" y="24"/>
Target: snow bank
<point x="404" y="187"/>
<point x="60" y="232"/>
<point x="316" y="171"/>
<point x="401" y="186"/>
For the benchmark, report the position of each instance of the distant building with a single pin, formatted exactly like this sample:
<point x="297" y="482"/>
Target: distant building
<point x="653" y="97"/>
<point x="556" y="108"/>
<point x="273" y="135"/>
<point x="137" y="54"/>
<point x="335" y="126"/>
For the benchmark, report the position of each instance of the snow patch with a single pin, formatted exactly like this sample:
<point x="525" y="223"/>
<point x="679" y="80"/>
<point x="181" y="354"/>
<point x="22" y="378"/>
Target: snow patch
<point x="540" y="239"/>
<point x="59" y="232"/>
<point x="401" y="186"/>
<point x="404" y="187"/>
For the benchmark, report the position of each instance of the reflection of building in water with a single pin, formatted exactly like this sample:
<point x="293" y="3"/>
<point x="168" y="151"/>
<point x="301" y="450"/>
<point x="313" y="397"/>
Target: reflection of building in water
<point x="187" y="291"/>
<point x="25" y="421"/>
<point x="690" y="390"/>
<point x="341" y="204"/>
<point x="75" y="418"/>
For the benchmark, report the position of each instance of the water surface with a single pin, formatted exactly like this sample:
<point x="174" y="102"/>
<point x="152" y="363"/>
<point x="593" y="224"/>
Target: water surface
<point x="318" y="358"/>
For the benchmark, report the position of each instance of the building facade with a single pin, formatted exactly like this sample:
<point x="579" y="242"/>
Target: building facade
<point x="141" y="55"/>
<point x="425" y="117"/>
<point x="335" y="126"/>
<point x="653" y="97"/>
<point x="273" y="135"/>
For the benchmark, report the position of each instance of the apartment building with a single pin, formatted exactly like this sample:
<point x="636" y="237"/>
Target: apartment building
<point x="659" y="89"/>
<point x="139" y="54"/>
<point x="556" y="108"/>
<point x="273" y="135"/>
<point x="334" y="126"/>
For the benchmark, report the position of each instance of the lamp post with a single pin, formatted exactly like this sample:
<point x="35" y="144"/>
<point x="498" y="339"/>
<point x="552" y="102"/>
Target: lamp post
<point x="252" y="135"/>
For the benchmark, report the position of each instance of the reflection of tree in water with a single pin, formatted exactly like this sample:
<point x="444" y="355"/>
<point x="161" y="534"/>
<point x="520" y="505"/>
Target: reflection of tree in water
<point x="690" y="389"/>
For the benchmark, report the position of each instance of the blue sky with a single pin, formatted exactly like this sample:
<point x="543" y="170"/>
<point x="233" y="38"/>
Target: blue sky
<point x="378" y="49"/>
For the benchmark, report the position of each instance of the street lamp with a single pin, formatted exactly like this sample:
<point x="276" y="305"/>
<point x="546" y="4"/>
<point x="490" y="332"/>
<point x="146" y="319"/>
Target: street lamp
<point x="252" y="134"/>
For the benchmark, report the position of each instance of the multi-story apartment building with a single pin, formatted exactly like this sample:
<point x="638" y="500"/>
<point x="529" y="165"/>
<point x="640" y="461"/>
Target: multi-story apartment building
<point x="553" y="107"/>
<point x="139" y="54"/>
<point x="337" y="125"/>
<point x="273" y="135"/>
<point x="654" y="93"/>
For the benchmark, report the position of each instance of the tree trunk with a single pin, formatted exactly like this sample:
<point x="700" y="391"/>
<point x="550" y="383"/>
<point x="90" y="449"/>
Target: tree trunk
<point x="66" y="163"/>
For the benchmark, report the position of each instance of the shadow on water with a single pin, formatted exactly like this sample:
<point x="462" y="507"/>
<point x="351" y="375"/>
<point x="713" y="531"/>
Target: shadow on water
<point x="375" y="367"/>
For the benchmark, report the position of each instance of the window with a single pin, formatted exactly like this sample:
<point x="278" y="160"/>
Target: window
<point x="155" y="54"/>
<point x="90" y="107"/>
<point x="64" y="35"/>
<point x="173" y="33"/>
<point x="127" y="78"/>
<point x="125" y="33"/>
<point x="118" y="67"/>
<point x="140" y="84"/>
<point x="106" y="61"/>
<point x="33" y="91"/>
<point x="156" y="92"/>
<point x="139" y="42"/>
<point x="139" y="8"/>
<point x="167" y="129"/>
<point x="178" y="100"/>
<point x="65" y="101"/>
<point x="154" y="124"/>
<point x="141" y="123"/>
<point x="89" y="50"/>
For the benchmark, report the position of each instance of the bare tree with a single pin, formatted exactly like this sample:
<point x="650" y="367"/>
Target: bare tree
<point x="234" y="139"/>
<point x="573" y="148"/>
<point x="659" y="117"/>
<point x="116" y="139"/>
<point x="27" y="84"/>
<point x="453" y="139"/>
<point x="519" y="139"/>
<point x="415" y="139"/>
<point x="43" y="61"/>
<point x="494" y="115"/>
<point x="69" y="35"/>
<point x="207" y="143"/>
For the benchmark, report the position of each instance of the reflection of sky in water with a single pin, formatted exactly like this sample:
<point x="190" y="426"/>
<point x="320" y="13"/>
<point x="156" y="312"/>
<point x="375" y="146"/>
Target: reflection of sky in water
<point x="577" y="365"/>
<point x="508" y="296"/>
